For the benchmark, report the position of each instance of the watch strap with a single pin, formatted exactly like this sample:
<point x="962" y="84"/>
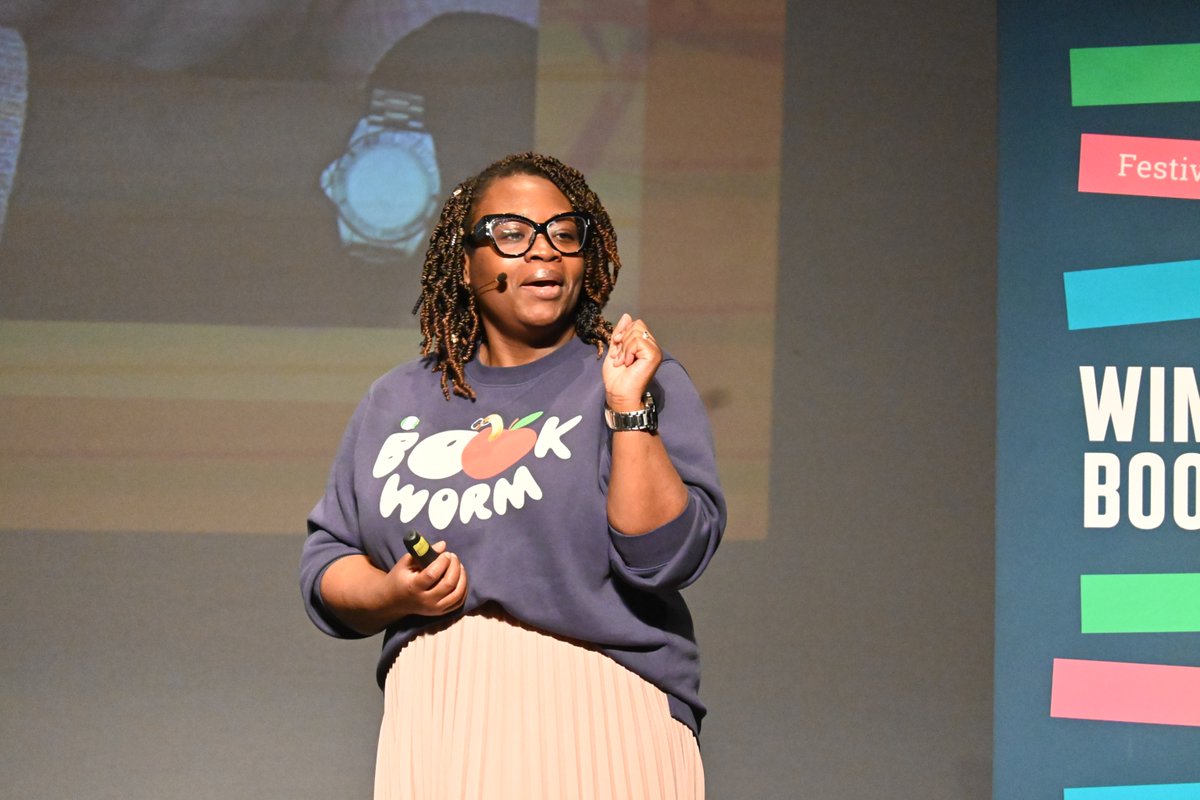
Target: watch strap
<point x="644" y="419"/>
<point x="398" y="110"/>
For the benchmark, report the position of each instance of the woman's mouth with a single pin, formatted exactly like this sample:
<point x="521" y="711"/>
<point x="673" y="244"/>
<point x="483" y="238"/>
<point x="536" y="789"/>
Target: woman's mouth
<point x="544" y="287"/>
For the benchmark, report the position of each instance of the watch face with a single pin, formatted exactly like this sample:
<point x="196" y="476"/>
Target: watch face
<point x="385" y="185"/>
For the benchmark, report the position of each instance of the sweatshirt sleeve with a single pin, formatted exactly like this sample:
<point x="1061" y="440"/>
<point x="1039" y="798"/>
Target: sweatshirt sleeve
<point x="333" y="532"/>
<point x="673" y="555"/>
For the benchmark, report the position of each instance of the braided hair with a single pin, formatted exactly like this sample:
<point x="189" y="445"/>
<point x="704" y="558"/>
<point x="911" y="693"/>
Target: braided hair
<point x="450" y="324"/>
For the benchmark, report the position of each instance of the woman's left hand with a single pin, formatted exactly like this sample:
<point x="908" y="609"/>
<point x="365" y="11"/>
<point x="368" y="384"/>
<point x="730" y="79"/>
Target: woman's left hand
<point x="633" y="358"/>
<point x="644" y="489"/>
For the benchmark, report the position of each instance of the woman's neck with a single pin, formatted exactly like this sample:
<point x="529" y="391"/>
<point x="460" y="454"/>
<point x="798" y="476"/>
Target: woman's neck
<point x="503" y="351"/>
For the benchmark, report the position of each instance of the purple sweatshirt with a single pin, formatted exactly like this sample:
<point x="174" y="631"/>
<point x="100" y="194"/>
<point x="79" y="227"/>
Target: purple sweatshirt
<point x="515" y="482"/>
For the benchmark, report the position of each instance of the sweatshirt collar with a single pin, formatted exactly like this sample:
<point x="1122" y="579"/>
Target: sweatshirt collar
<point x="478" y="373"/>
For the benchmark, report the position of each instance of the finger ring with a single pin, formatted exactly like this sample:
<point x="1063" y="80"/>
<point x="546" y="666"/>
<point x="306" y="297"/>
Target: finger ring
<point x="646" y="334"/>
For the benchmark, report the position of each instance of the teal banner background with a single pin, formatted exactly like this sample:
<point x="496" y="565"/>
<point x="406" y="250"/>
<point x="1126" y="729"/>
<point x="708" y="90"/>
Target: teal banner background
<point x="1048" y="228"/>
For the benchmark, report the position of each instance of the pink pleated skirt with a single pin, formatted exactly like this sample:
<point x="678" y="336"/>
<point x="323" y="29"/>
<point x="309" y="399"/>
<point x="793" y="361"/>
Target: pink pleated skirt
<point x="488" y="708"/>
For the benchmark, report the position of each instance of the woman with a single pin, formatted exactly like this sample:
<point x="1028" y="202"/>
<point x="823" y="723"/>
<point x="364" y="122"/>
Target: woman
<point x="547" y="651"/>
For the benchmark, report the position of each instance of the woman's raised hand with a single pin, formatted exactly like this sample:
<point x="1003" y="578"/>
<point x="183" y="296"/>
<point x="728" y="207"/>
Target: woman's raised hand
<point x="633" y="358"/>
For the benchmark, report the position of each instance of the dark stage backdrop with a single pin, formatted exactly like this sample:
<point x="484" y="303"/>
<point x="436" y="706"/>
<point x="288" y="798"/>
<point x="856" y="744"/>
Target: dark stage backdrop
<point x="1098" y="469"/>
<point x="806" y="209"/>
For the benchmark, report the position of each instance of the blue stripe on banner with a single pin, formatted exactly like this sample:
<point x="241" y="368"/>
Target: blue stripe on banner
<point x="1163" y="791"/>
<point x="1103" y="298"/>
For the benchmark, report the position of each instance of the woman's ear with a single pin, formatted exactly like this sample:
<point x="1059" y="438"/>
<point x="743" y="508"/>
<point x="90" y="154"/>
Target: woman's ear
<point x="466" y="270"/>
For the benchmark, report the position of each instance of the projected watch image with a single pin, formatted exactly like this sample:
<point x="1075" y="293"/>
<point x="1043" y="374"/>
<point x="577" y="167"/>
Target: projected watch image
<point x="385" y="186"/>
<point x="14" y="91"/>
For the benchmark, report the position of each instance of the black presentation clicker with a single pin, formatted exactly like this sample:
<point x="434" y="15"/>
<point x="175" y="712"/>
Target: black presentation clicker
<point x="419" y="548"/>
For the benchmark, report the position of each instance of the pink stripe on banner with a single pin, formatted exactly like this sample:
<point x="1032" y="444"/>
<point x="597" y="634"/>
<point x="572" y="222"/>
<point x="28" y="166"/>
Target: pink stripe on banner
<point x="1139" y="166"/>
<point x="1120" y="692"/>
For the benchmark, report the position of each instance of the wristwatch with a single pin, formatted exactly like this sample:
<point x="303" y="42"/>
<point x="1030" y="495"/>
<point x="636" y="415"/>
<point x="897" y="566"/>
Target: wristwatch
<point x="385" y="185"/>
<point x="645" y="419"/>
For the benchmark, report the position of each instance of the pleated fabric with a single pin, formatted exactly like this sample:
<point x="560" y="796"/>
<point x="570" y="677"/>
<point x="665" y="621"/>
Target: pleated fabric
<point x="489" y="709"/>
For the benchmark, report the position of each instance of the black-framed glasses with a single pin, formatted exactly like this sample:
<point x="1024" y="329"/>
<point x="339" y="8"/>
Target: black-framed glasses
<point x="513" y="235"/>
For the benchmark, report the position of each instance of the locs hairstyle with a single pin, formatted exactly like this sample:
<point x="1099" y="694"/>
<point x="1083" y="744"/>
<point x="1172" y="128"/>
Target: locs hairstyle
<point x="450" y="328"/>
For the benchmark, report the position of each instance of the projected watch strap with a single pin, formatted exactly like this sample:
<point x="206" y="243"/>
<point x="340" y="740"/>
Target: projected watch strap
<point x="392" y="109"/>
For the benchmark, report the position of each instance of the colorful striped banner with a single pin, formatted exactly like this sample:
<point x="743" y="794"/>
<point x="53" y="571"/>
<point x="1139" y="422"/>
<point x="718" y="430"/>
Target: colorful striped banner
<point x="1158" y="73"/>
<point x="1102" y="298"/>
<point x="1158" y="791"/>
<point x="1112" y="691"/>
<point x="1167" y="603"/>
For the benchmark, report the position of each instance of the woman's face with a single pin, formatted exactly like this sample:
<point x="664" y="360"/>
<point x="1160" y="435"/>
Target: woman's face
<point x="536" y="304"/>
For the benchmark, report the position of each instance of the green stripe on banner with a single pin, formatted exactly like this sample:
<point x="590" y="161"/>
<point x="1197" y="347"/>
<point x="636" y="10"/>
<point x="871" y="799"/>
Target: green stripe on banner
<point x="1168" y="603"/>
<point x="1159" y="73"/>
